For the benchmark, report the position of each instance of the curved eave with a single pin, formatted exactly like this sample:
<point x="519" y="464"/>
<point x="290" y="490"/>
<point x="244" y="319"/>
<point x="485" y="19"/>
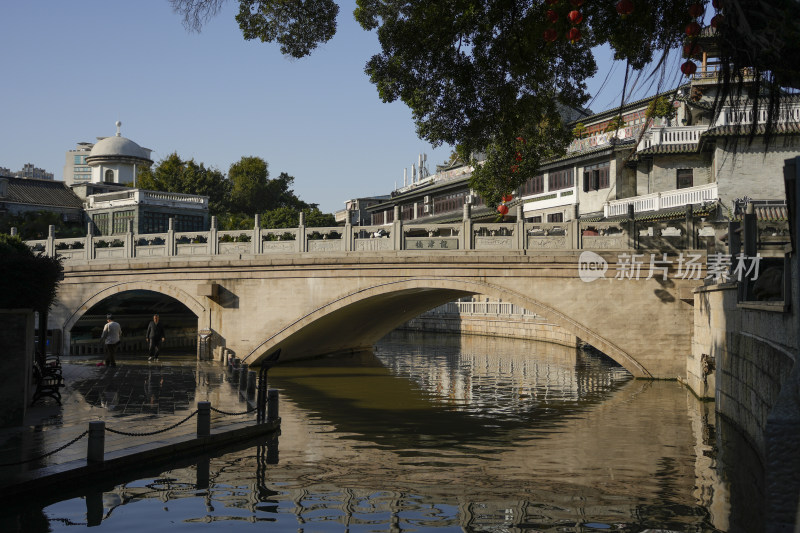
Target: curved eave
<point x="94" y="160"/>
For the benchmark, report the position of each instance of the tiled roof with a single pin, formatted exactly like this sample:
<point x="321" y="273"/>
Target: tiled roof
<point x="737" y="130"/>
<point x="772" y="213"/>
<point x="669" y="214"/>
<point x="681" y="148"/>
<point x="40" y="192"/>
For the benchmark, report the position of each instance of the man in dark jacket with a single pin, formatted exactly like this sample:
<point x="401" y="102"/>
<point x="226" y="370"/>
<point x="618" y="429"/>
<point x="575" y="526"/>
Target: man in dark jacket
<point x="154" y="337"/>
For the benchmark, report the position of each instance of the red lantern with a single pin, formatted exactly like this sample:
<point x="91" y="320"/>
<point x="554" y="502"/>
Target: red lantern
<point x="693" y="29"/>
<point x="520" y="140"/>
<point x="576" y="3"/>
<point x="717" y="20"/>
<point x="508" y="197"/>
<point x="689" y="68"/>
<point x="514" y="168"/>
<point x="575" y="17"/>
<point x="691" y="50"/>
<point x="574" y="35"/>
<point x="625" y="7"/>
<point x="552" y="16"/>
<point x="502" y="209"/>
<point x="696" y="10"/>
<point x="550" y="35"/>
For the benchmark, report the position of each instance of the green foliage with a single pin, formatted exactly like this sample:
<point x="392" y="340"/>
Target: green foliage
<point x="298" y="26"/>
<point x="615" y="124"/>
<point x="286" y="217"/>
<point x="29" y="281"/>
<point x="660" y="107"/>
<point x="579" y="130"/>
<point x="249" y="192"/>
<point x="35" y="225"/>
<point x="172" y="174"/>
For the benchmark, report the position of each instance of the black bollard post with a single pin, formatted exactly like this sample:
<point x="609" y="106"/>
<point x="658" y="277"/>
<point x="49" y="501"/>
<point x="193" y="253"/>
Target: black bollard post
<point x="251" y="384"/>
<point x="95" y="449"/>
<point x="272" y="407"/>
<point x="203" y="419"/>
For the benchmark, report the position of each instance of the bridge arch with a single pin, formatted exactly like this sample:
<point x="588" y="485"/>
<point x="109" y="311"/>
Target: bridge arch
<point x="73" y="315"/>
<point x="400" y="300"/>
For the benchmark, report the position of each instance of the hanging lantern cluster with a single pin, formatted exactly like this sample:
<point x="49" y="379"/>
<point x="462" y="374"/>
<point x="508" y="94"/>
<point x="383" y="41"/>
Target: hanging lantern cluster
<point x="503" y="208"/>
<point x="573" y="17"/>
<point x="691" y="49"/>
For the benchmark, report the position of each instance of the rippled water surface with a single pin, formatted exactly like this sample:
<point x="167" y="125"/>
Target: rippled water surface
<point x="434" y="432"/>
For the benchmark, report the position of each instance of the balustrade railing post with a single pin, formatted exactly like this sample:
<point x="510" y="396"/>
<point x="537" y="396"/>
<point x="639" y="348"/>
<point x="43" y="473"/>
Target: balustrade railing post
<point x="129" y="245"/>
<point x="50" y="247"/>
<point x="213" y="238"/>
<point x="203" y="419"/>
<point x="95" y="448"/>
<point x="689" y="228"/>
<point x="243" y="370"/>
<point x="466" y="239"/>
<point x="171" y="237"/>
<point x="302" y="243"/>
<point x="397" y="229"/>
<point x="348" y="235"/>
<point x="257" y="234"/>
<point x="251" y="384"/>
<point x="631" y="227"/>
<point x="89" y="245"/>
<point x="519" y="240"/>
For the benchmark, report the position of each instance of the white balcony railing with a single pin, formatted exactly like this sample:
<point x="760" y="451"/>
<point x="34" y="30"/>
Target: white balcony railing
<point x="671" y="135"/>
<point x="139" y="196"/>
<point x="663" y="200"/>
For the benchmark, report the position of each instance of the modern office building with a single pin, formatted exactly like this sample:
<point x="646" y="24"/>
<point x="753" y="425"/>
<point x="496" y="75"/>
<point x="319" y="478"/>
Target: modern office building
<point x="76" y="170"/>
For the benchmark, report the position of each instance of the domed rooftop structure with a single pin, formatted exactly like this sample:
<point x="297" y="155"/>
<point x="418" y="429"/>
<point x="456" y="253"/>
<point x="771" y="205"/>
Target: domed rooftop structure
<point x="116" y="159"/>
<point x="118" y="147"/>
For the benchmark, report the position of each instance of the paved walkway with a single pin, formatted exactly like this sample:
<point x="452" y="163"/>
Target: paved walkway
<point x="134" y="397"/>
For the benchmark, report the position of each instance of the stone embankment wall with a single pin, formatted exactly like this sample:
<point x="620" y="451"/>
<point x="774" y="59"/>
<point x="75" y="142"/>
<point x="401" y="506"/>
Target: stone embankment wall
<point x="752" y="350"/>
<point x="512" y="326"/>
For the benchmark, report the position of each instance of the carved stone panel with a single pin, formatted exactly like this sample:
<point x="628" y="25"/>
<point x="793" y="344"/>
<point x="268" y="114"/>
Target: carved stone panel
<point x="109" y="253"/>
<point x="373" y="245"/>
<point x="494" y="243"/>
<point x="335" y="245"/>
<point x="235" y="248"/>
<point x="158" y="250"/>
<point x="431" y="243"/>
<point x="271" y="247"/>
<point x="69" y="255"/>
<point x="549" y="243"/>
<point x="193" y="249"/>
<point x="602" y="242"/>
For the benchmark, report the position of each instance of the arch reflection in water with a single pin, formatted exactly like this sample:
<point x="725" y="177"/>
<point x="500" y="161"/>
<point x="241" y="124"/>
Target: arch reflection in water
<point x="473" y="434"/>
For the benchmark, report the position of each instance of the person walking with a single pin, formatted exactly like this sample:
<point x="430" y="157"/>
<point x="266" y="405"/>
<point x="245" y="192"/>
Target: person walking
<point x="154" y="337"/>
<point x="112" y="333"/>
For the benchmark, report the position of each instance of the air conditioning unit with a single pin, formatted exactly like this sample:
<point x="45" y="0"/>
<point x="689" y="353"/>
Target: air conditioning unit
<point x="426" y="208"/>
<point x="468" y="199"/>
<point x="427" y="199"/>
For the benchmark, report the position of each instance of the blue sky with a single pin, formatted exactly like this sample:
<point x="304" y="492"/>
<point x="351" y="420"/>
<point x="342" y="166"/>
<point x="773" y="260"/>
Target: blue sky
<point x="71" y="69"/>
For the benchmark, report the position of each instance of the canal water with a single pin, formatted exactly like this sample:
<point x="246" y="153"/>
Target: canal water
<point x="433" y="432"/>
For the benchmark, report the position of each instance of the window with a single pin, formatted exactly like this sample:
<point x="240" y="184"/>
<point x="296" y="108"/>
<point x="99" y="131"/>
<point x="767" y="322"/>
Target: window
<point x="109" y="175"/>
<point x="100" y="221"/>
<point x="155" y="222"/>
<point x="77" y="160"/>
<point x="189" y="223"/>
<point x="120" y="221"/>
<point x="535" y="219"/>
<point x="555" y="217"/>
<point x="560" y="179"/>
<point x="407" y="212"/>
<point x="685" y="177"/>
<point x="534" y="185"/>
<point x="448" y="202"/>
<point x="596" y="177"/>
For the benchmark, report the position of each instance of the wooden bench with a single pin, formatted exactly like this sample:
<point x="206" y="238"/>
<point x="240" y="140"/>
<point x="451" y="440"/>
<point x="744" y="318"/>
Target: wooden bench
<point x="48" y="380"/>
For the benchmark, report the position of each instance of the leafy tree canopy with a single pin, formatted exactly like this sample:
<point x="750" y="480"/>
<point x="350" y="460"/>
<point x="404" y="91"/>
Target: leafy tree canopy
<point x="477" y="74"/>
<point x="173" y="174"/>
<point x="34" y="225"/>
<point x="29" y="280"/>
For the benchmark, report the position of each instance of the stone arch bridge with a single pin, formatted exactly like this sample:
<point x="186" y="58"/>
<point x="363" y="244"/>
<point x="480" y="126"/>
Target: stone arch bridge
<point x="321" y="304"/>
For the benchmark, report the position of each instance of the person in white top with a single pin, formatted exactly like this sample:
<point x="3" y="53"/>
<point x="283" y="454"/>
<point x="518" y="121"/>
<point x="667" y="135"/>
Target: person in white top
<point x="112" y="332"/>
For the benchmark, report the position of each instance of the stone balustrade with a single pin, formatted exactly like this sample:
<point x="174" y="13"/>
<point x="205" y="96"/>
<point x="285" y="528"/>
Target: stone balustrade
<point x="424" y="238"/>
<point x="663" y="200"/>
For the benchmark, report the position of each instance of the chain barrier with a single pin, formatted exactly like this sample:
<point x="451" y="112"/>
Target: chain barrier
<point x="133" y="434"/>
<point x="70" y="443"/>
<point x="234" y="414"/>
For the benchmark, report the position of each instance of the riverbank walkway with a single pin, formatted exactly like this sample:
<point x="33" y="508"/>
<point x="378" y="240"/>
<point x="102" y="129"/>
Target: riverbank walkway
<point x="136" y="396"/>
